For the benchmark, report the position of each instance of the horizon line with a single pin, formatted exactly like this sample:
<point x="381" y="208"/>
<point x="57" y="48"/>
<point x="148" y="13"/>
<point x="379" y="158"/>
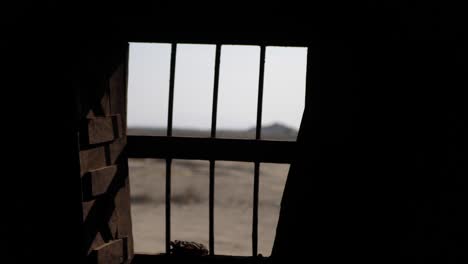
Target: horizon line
<point x="253" y="127"/>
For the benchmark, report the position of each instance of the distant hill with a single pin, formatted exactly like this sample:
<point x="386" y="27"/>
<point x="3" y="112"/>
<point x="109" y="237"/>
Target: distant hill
<point x="275" y="131"/>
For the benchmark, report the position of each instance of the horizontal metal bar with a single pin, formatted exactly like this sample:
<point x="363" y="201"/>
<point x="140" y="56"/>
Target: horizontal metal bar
<point x="232" y="39"/>
<point x="159" y="147"/>
<point x="146" y="258"/>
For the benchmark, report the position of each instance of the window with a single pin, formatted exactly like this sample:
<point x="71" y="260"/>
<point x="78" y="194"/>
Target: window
<point x="241" y="101"/>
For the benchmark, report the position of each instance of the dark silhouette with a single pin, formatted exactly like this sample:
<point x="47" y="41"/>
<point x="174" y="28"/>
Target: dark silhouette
<point x="381" y="172"/>
<point x="383" y="177"/>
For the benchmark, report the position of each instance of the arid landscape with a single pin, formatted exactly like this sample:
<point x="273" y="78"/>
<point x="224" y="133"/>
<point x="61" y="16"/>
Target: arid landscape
<point x="190" y="183"/>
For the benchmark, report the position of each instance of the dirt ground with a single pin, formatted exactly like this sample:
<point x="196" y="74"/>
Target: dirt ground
<point x="233" y="204"/>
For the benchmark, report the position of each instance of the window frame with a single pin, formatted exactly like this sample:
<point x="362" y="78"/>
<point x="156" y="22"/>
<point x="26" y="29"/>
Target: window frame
<point x="213" y="149"/>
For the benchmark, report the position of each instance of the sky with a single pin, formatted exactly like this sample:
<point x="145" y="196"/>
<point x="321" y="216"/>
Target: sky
<point x="148" y="86"/>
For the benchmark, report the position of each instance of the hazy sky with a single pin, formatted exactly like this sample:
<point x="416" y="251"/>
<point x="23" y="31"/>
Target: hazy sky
<point x="148" y="86"/>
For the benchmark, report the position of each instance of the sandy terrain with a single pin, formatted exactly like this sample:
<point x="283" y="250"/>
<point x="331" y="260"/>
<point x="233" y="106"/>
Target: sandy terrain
<point x="233" y="204"/>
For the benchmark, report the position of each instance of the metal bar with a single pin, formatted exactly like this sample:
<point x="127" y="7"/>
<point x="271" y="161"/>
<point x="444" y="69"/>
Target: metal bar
<point x="232" y="38"/>
<point x="163" y="259"/>
<point x="171" y="89"/>
<point x="211" y="213"/>
<point x="255" y="210"/>
<point x="213" y="135"/>
<point x="257" y="164"/>
<point x="161" y="147"/>
<point x="215" y="91"/>
<point x="260" y="93"/>
<point x="169" y="134"/>
<point x="168" y="205"/>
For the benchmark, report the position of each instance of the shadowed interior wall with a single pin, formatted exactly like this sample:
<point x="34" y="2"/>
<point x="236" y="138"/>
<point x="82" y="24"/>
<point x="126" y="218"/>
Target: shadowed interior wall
<point x="102" y="88"/>
<point x="71" y="196"/>
<point x="384" y="178"/>
<point x="384" y="173"/>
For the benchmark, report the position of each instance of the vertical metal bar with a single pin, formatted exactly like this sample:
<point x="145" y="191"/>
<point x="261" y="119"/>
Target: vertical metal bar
<point x="168" y="205"/>
<point x="215" y="91"/>
<point x="213" y="135"/>
<point x="211" y="216"/>
<point x="257" y="164"/>
<point x="171" y="89"/>
<point x="260" y="93"/>
<point x="169" y="160"/>
<point x="255" y="210"/>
